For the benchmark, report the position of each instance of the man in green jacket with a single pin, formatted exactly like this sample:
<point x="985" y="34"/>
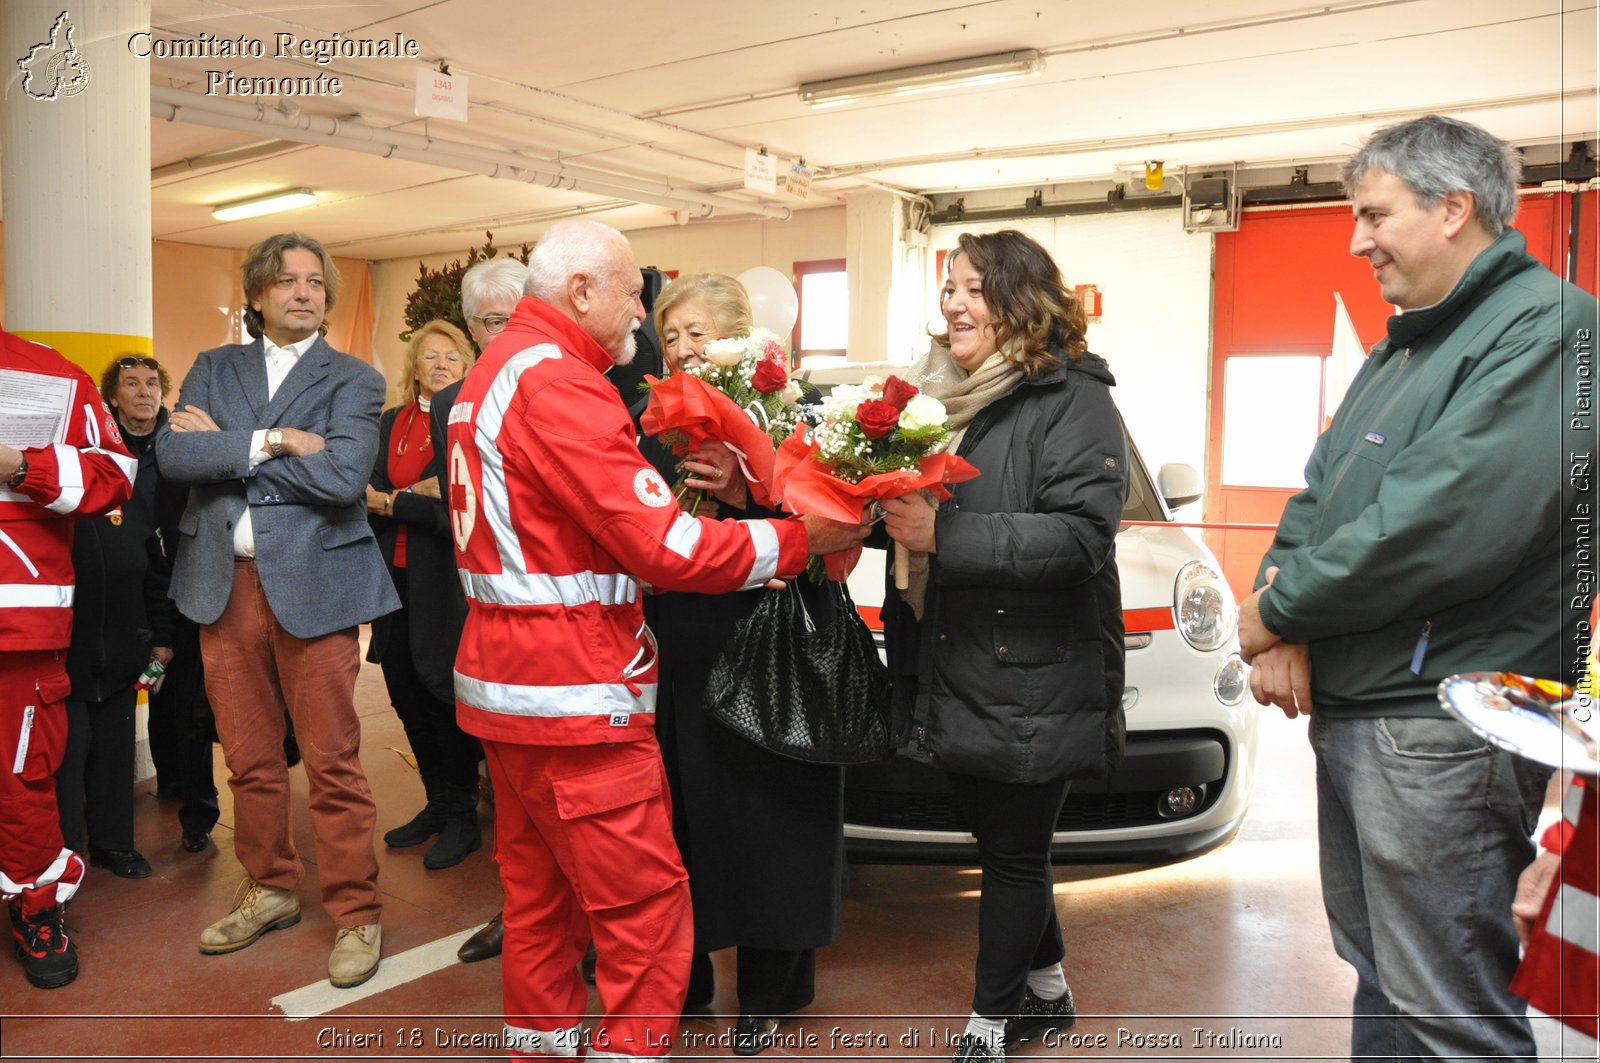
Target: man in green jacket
<point x="1437" y="527"/>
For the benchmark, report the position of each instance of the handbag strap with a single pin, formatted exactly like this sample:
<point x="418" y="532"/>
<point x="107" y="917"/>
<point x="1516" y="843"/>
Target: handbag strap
<point x="799" y="600"/>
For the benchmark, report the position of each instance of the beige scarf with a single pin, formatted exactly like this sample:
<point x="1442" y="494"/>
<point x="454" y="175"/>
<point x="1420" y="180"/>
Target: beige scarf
<point x="963" y="395"/>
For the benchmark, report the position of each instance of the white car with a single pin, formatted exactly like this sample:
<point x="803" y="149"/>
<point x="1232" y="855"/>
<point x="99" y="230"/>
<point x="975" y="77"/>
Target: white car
<point x="1190" y="768"/>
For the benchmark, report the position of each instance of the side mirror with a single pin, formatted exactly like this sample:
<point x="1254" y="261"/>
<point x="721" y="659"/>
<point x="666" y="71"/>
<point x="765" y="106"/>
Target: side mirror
<point x="1179" y="484"/>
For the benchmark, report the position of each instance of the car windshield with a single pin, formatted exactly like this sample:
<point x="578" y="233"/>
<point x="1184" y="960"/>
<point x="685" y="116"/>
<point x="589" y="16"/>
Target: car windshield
<point x="1143" y="503"/>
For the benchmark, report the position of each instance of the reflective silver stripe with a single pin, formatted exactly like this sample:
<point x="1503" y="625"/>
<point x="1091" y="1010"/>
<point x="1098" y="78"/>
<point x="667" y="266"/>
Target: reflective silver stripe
<point x="11" y="544"/>
<point x="53" y="873"/>
<point x="491" y="415"/>
<point x="69" y="475"/>
<point x="764" y="537"/>
<point x="35" y="596"/>
<point x="543" y="1042"/>
<point x="582" y="588"/>
<point x="1575" y="918"/>
<point x="683" y="535"/>
<point x="1571" y="803"/>
<point x="589" y="699"/>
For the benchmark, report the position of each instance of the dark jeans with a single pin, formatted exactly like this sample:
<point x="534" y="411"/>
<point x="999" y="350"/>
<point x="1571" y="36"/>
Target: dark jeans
<point x="1018" y="930"/>
<point x="1423" y="829"/>
<point x="95" y="780"/>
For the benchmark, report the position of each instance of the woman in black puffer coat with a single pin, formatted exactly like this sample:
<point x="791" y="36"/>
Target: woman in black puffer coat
<point x="1006" y="647"/>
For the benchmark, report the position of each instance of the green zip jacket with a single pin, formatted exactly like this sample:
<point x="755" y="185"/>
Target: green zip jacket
<point x="1444" y="527"/>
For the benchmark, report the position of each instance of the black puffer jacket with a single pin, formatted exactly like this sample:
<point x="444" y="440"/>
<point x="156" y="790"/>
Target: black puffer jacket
<point x="1015" y="671"/>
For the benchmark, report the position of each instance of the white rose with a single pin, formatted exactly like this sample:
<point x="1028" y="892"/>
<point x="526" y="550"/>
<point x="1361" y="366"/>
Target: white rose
<point x="846" y="397"/>
<point x="726" y="353"/>
<point x="923" y="411"/>
<point x="791" y="393"/>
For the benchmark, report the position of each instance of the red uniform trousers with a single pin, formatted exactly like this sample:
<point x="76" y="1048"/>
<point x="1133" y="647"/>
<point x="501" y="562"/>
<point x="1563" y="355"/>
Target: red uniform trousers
<point x="583" y="836"/>
<point x="33" y="737"/>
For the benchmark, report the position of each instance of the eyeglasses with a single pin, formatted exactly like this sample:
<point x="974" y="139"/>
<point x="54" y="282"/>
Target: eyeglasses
<point x="132" y="362"/>
<point x="492" y="323"/>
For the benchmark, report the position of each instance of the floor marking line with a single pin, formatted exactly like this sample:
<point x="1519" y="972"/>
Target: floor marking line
<point x="321" y="997"/>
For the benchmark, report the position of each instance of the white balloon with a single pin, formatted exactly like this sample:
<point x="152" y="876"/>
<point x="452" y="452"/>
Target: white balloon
<point x="774" y="304"/>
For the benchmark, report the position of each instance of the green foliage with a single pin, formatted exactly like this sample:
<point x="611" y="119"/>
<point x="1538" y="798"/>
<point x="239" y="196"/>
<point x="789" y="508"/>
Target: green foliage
<point x="438" y="291"/>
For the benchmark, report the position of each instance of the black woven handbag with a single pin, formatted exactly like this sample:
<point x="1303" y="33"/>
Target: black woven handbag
<point x="815" y="694"/>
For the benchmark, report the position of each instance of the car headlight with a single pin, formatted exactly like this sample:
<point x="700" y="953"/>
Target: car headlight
<point x="1231" y="681"/>
<point x="1206" y="613"/>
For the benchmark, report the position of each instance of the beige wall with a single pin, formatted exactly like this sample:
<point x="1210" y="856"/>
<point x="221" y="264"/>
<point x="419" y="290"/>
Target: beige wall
<point x="719" y="247"/>
<point x="197" y="298"/>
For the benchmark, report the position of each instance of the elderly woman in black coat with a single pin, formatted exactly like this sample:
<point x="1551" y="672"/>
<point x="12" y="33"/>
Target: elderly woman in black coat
<point x="416" y="644"/>
<point x="761" y="835"/>
<point x="1006" y="648"/>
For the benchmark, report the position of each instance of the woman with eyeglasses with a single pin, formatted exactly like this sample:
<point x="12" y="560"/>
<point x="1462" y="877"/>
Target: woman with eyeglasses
<point x="406" y="506"/>
<point x="762" y="836"/>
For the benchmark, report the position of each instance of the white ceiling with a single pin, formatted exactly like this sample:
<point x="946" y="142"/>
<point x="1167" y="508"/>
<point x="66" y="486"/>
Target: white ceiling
<point x="671" y="94"/>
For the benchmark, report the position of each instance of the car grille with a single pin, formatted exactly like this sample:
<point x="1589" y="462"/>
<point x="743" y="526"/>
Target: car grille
<point x="939" y="811"/>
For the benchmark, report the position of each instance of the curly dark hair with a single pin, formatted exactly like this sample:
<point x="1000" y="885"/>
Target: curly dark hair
<point x="1029" y="304"/>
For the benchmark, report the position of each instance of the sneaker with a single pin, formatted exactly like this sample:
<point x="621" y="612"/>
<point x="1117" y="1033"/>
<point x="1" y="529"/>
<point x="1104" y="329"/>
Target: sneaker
<point x="459" y="836"/>
<point x="49" y="958"/>
<point x="263" y="908"/>
<point x="1036" y="1015"/>
<point x="972" y="1049"/>
<point x="423" y="825"/>
<point x="754" y="1034"/>
<point x="354" y="958"/>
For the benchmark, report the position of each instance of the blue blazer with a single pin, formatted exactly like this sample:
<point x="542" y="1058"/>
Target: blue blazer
<point x="315" y="552"/>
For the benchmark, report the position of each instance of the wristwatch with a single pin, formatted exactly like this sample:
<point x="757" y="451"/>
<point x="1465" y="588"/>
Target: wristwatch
<point x="275" y="442"/>
<point x="20" y="475"/>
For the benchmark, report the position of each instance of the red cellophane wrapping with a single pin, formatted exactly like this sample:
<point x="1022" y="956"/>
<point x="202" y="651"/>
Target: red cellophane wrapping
<point x="687" y="405"/>
<point x="806" y="484"/>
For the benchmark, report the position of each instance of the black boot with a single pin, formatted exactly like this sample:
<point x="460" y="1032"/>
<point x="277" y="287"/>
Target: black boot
<point x="423" y="825"/>
<point x="458" y="837"/>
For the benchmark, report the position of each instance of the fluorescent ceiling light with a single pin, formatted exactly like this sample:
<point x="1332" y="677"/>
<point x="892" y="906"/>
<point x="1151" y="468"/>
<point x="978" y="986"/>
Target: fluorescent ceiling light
<point x="270" y="203"/>
<point x="951" y="74"/>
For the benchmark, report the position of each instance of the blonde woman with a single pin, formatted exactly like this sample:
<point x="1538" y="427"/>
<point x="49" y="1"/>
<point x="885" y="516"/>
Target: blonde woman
<point x="409" y="516"/>
<point x="761" y="835"/>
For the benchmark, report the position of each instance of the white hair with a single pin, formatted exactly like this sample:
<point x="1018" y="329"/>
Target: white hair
<point x="491" y="280"/>
<point x="571" y="246"/>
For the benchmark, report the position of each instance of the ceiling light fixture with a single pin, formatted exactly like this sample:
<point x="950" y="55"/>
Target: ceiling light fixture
<point x="951" y="74"/>
<point x="271" y="203"/>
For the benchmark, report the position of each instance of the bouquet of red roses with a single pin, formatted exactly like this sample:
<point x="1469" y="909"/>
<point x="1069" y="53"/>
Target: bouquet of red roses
<point x="740" y="396"/>
<point x="875" y="440"/>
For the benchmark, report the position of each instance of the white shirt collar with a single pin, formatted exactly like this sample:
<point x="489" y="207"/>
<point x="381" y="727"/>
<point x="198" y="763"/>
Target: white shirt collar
<point x="293" y="350"/>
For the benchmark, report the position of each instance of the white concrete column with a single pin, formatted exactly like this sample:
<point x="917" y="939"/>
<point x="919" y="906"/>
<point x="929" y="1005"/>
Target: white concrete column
<point x="885" y="264"/>
<point x="75" y="176"/>
<point x="75" y="187"/>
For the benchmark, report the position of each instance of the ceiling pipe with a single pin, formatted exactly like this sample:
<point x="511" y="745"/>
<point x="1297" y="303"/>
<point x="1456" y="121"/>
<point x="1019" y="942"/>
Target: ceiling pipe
<point x="176" y="105"/>
<point x="226" y="157"/>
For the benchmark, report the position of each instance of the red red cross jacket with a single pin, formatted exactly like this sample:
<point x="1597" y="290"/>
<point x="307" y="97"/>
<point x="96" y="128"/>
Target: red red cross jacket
<point x="80" y="470"/>
<point x="1560" y="972"/>
<point x="557" y="518"/>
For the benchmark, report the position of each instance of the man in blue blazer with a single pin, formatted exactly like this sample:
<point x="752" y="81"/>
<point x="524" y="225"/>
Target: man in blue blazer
<point x="278" y="565"/>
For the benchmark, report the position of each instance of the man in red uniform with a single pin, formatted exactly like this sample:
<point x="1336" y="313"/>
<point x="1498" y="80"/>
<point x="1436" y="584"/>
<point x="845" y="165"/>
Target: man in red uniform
<point x="60" y="460"/>
<point x="558" y="520"/>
